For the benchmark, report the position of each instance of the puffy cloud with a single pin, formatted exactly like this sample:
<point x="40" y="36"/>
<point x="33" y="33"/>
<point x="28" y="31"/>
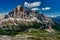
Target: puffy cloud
<point x="46" y="8"/>
<point x="35" y="9"/>
<point x="34" y="4"/>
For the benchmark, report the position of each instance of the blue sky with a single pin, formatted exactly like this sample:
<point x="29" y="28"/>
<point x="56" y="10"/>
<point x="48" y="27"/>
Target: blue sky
<point x="7" y="5"/>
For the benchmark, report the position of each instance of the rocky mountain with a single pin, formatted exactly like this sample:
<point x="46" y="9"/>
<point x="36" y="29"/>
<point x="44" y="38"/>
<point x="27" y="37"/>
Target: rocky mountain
<point x="22" y="13"/>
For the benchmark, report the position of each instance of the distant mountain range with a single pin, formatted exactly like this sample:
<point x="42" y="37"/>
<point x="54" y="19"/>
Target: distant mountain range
<point x="56" y="19"/>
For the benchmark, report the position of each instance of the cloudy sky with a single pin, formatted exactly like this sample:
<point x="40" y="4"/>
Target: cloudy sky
<point x="49" y="7"/>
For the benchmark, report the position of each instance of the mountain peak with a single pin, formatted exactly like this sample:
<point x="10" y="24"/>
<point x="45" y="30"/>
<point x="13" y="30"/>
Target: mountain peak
<point x="18" y="7"/>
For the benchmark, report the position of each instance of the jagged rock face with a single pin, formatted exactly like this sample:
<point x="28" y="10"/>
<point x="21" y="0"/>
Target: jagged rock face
<point x="41" y="17"/>
<point x="17" y="12"/>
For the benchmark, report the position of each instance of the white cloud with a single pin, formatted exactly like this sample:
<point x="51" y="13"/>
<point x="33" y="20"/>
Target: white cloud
<point x="46" y="8"/>
<point x="35" y="9"/>
<point x="34" y="4"/>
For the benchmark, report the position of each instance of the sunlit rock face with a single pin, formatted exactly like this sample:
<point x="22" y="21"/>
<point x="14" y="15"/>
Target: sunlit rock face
<point x="21" y="12"/>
